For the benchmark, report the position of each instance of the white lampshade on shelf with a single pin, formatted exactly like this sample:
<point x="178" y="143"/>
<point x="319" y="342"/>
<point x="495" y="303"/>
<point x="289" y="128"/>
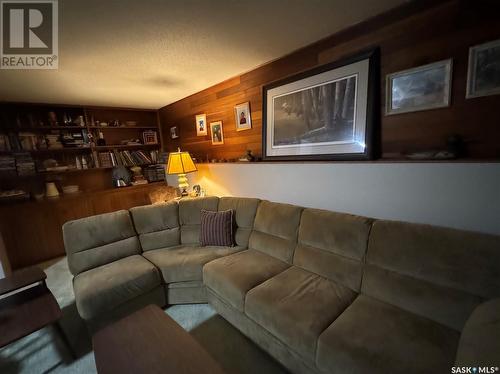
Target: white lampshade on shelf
<point x="181" y="163"/>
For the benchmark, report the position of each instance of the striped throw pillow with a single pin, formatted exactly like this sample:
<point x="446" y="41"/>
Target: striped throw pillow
<point x="217" y="228"/>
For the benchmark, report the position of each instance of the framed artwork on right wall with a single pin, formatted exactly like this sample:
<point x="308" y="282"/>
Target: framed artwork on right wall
<point x="483" y="75"/>
<point x="326" y="113"/>
<point x="242" y="116"/>
<point x="422" y="88"/>
<point x="216" y="133"/>
<point x="201" y="125"/>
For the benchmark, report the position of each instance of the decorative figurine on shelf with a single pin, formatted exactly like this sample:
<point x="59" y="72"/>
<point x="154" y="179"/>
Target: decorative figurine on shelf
<point x="53" y="119"/>
<point x="121" y="176"/>
<point x="454" y="149"/>
<point x="197" y="190"/>
<point x="137" y="177"/>
<point x="51" y="190"/>
<point x="80" y="121"/>
<point x="67" y="120"/>
<point x="455" y="145"/>
<point x="100" y="139"/>
<point x="250" y="156"/>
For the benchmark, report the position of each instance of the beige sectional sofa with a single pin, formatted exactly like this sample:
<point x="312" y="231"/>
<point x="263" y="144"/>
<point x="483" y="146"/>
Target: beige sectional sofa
<point x="322" y="292"/>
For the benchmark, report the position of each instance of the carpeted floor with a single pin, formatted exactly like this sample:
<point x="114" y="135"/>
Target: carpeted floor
<point x="43" y="352"/>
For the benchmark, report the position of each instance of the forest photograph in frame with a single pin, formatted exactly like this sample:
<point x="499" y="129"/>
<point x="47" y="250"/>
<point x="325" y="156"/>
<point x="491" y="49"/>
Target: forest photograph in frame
<point x="324" y="114"/>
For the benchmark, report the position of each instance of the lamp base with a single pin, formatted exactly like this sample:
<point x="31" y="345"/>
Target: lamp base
<point x="183" y="184"/>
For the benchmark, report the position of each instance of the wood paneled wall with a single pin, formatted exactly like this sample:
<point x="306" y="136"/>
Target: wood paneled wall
<point x="418" y="33"/>
<point x="32" y="231"/>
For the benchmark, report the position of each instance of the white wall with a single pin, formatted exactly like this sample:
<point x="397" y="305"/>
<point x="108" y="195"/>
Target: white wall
<point x="459" y="195"/>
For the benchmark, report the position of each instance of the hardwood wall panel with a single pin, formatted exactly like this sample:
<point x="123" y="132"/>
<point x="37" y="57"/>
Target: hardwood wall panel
<point x="32" y="231"/>
<point x="415" y="34"/>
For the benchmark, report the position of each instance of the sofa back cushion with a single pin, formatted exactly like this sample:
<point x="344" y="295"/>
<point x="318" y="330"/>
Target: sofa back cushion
<point x="244" y="214"/>
<point x="333" y="245"/>
<point x="438" y="273"/>
<point x="275" y="230"/>
<point x="189" y="217"/>
<point x="157" y="225"/>
<point x="98" y="240"/>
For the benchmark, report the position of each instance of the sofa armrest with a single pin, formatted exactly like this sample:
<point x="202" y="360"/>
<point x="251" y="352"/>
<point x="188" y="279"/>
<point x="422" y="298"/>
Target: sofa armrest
<point x="479" y="343"/>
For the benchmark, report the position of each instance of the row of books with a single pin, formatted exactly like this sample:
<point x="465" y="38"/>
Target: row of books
<point x="154" y="173"/>
<point x="21" y="164"/>
<point x="28" y="141"/>
<point x="25" y="164"/>
<point x="7" y="165"/>
<point x="124" y="158"/>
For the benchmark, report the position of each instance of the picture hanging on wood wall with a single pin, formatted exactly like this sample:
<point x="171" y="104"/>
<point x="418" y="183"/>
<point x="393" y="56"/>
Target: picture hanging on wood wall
<point x="216" y="133"/>
<point x="242" y="116"/>
<point x="483" y="76"/>
<point x="201" y="125"/>
<point x="173" y="132"/>
<point x="327" y="113"/>
<point x="421" y="88"/>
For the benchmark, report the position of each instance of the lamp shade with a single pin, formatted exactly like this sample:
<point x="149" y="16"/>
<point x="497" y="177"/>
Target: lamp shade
<point x="180" y="163"/>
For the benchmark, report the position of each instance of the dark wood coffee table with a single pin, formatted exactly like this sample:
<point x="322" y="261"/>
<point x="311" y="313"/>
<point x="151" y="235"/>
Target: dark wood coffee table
<point x="149" y="341"/>
<point x="27" y="305"/>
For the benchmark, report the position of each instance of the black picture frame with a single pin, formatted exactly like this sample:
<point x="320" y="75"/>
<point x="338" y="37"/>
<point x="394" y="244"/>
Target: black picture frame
<point x="372" y="132"/>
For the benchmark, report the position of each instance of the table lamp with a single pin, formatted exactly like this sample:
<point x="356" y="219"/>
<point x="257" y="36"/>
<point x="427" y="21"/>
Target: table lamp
<point x="181" y="163"/>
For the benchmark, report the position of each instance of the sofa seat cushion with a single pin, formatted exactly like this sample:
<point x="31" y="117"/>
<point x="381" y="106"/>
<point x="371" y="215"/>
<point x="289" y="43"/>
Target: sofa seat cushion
<point x="185" y="263"/>
<point x="104" y="288"/>
<point x="233" y="276"/>
<point x="296" y="306"/>
<point x="371" y="336"/>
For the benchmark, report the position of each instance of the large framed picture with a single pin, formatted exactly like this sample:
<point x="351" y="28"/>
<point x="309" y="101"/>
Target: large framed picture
<point x="201" y="125"/>
<point x="216" y="133"/>
<point x="421" y="88"/>
<point x="327" y="113"/>
<point x="242" y="116"/>
<point x="483" y="76"/>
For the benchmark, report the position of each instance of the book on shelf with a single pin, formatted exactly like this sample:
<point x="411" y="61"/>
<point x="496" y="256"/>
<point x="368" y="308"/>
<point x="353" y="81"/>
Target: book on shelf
<point x="4" y="143"/>
<point x="125" y="158"/>
<point x="105" y="160"/>
<point x="95" y="159"/>
<point x="7" y="166"/>
<point x="55" y="139"/>
<point x="25" y="165"/>
<point x="154" y="173"/>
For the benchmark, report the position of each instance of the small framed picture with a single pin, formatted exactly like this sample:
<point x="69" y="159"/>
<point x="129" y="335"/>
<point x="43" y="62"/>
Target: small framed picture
<point x="149" y="137"/>
<point x="216" y="133"/>
<point x="201" y="125"/>
<point x="242" y="116"/>
<point x="422" y="88"/>
<point x="483" y="75"/>
<point x="174" y="134"/>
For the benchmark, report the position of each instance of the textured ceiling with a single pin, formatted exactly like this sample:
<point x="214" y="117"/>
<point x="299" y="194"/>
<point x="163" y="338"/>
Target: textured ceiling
<point x="150" y="53"/>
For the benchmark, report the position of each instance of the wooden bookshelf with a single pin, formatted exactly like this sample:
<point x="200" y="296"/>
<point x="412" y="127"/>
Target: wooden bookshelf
<point x="31" y="230"/>
<point x="124" y="146"/>
<point x="16" y="118"/>
<point x="123" y="127"/>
